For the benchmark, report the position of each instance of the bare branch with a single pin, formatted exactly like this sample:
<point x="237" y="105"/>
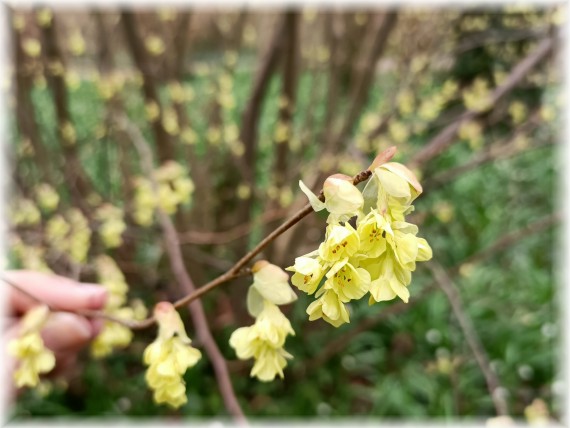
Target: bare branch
<point x="181" y="274"/>
<point x="446" y="137"/>
<point x="450" y="289"/>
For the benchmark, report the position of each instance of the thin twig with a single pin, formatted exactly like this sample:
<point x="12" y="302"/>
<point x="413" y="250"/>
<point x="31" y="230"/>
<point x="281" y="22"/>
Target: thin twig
<point x="83" y="312"/>
<point x="446" y="136"/>
<point x="226" y="236"/>
<point x="445" y="282"/>
<point x="181" y="274"/>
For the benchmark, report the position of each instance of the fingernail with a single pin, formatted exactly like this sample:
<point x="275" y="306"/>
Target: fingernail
<point x="96" y="295"/>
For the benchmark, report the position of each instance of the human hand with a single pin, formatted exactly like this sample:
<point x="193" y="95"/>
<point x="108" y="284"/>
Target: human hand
<point x="64" y="333"/>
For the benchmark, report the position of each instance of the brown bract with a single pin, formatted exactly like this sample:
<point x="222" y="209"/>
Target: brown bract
<point x="382" y="158"/>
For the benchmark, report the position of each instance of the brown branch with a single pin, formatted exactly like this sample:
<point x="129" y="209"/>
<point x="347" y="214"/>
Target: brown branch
<point x="181" y="274"/>
<point x="73" y="170"/>
<point x="383" y="26"/>
<point x="25" y="112"/>
<point x="500" y="150"/>
<point x="140" y="58"/>
<point x="445" y="282"/>
<point x="289" y="82"/>
<point x="226" y="236"/>
<point x="250" y="122"/>
<point x="446" y="136"/>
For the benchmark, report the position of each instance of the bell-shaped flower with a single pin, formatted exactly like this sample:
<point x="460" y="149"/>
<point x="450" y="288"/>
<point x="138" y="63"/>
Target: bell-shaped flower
<point x="329" y="307"/>
<point x="342" y="199"/>
<point x="391" y="279"/>
<point x="272" y="283"/>
<point x="264" y="342"/>
<point x="29" y="349"/>
<point x="349" y="283"/>
<point x="372" y="231"/>
<point x="308" y="273"/>
<point x="168" y="357"/>
<point x="391" y="189"/>
<point x="340" y="242"/>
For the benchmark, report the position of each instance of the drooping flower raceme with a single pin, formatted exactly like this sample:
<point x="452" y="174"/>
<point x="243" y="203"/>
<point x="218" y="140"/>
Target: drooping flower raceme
<point x="376" y="257"/>
<point x="264" y="340"/>
<point x="29" y="349"/>
<point x="168" y="357"/>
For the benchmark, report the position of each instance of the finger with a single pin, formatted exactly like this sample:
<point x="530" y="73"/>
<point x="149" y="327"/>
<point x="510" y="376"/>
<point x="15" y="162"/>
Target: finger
<point x="64" y="332"/>
<point x="58" y="292"/>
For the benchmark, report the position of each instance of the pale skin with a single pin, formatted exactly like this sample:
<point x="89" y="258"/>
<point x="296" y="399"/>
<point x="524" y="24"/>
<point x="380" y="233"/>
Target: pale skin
<point x="64" y="333"/>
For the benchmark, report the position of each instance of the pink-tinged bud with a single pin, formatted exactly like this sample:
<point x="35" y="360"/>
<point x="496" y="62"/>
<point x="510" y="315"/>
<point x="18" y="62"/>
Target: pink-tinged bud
<point x="257" y="266"/>
<point x="161" y="309"/>
<point x="331" y="179"/>
<point x="382" y="158"/>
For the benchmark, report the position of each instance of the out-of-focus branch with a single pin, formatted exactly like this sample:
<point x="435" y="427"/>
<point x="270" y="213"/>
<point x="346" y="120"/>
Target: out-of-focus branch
<point x="500" y="150"/>
<point x="25" y="112"/>
<point x="73" y="170"/>
<point x="226" y="236"/>
<point x="445" y="282"/>
<point x="286" y="111"/>
<point x="181" y="274"/>
<point x="446" y="136"/>
<point x="134" y="42"/>
<point x="383" y="26"/>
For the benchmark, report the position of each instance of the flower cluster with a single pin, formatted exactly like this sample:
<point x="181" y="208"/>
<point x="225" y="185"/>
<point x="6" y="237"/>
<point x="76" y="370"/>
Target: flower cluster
<point x="70" y="234"/>
<point x="168" y="357"/>
<point x="265" y="339"/>
<point x="114" y="335"/>
<point x="112" y="225"/>
<point x="34" y="358"/>
<point x="174" y="188"/>
<point x="375" y="256"/>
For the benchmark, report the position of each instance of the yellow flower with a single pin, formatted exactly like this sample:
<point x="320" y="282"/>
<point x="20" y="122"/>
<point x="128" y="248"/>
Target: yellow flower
<point x="110" y="276"/>
<point x="112" y="226"/>
<point x="391" y="273"/>
<point x="34" y="358"/>
<point x="341" y="242"/>
<point x="347" y="282"/>
<point x="372" y="233"/>
<point x="329" y="307"/>
<point x="113" y="335"/>
<point x="25" y="212"/>
<point x="308" y="273"/>
<point x="168" y="357"/>
<point x="264" y="342"/>
<point x="342" y="199"/>
<point x="47" y="197"/>
<point x="272" y="283"/>
<point x="391" y="279"/>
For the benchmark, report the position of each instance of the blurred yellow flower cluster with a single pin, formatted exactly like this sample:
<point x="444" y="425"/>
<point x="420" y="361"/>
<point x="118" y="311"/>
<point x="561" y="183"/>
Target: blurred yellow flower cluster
<point x="114" y="335"/>
<point x="168" y="357"/>
<point x="70" y="234"/>
<point x="29" y="349"/>
<point x="174" y="188"/>
<point x="264" y="340"/>
<point x="112" y="225"/>
<point x="376" y="256"/>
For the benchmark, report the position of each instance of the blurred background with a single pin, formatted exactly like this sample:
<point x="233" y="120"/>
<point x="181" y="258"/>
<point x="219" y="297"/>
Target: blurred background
<point x="247" y="102"/>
